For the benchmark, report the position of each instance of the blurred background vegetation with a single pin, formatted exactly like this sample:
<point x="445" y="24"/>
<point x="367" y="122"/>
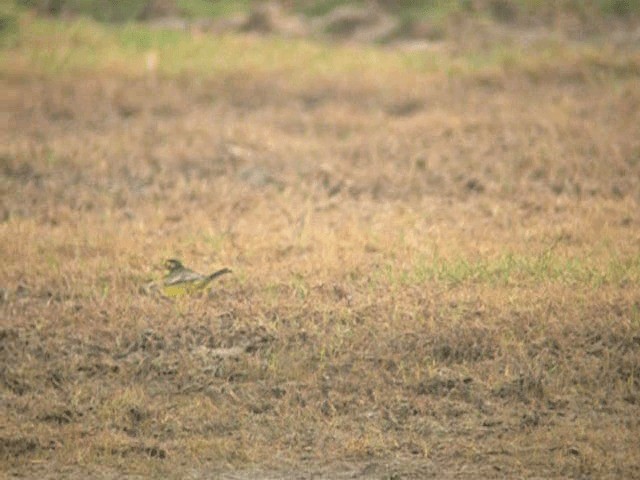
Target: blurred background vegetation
<point x="500" y="10"/>
<point x="60" y="35"/>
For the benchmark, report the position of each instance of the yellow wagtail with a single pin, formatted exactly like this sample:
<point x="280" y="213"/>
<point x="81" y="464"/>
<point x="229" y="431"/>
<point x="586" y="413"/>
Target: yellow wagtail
<point x="181" y="280"/>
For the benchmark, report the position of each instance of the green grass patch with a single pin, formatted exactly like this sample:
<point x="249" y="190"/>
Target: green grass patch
<point x="208" y="8"/>
<point x="322" y="7"/>
<point x="510" y="269"/>
<point x="406" y="10"/>
<point x="56" y="47"/>
<point x="101" y="10"/>
<point x="46" y="46"/>
<point x="620" y="7"/>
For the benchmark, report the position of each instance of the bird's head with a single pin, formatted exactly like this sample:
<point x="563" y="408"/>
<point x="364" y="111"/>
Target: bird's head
<point x="173" y="264"/>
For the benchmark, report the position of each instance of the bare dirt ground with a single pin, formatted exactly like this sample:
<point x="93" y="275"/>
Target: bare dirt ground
<point x="436" y="275"/>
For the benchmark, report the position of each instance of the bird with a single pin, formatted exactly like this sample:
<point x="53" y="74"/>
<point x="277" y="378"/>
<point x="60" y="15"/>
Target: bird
<point x="181" y="280"/>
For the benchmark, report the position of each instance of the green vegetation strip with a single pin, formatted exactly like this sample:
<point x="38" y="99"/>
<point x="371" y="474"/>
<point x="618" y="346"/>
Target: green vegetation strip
<point x="34" y="45"/>
<point x="510" y="270"/>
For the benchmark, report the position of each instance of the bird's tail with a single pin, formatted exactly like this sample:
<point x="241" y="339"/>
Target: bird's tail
<point x="215" y="275"/>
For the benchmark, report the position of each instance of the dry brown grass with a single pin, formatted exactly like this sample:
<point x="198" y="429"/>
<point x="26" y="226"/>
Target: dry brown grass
<point x="434" y="274"/>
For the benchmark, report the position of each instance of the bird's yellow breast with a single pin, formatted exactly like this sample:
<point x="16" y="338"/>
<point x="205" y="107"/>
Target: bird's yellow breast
<point x="183" y="288"/>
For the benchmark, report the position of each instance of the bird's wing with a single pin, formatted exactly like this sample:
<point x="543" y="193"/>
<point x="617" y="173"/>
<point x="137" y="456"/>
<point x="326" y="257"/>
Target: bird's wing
<point x="182" y="276"/>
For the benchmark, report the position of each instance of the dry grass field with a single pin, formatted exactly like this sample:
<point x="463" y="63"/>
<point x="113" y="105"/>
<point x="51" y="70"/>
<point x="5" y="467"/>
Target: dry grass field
<point x="435" y="254"/>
